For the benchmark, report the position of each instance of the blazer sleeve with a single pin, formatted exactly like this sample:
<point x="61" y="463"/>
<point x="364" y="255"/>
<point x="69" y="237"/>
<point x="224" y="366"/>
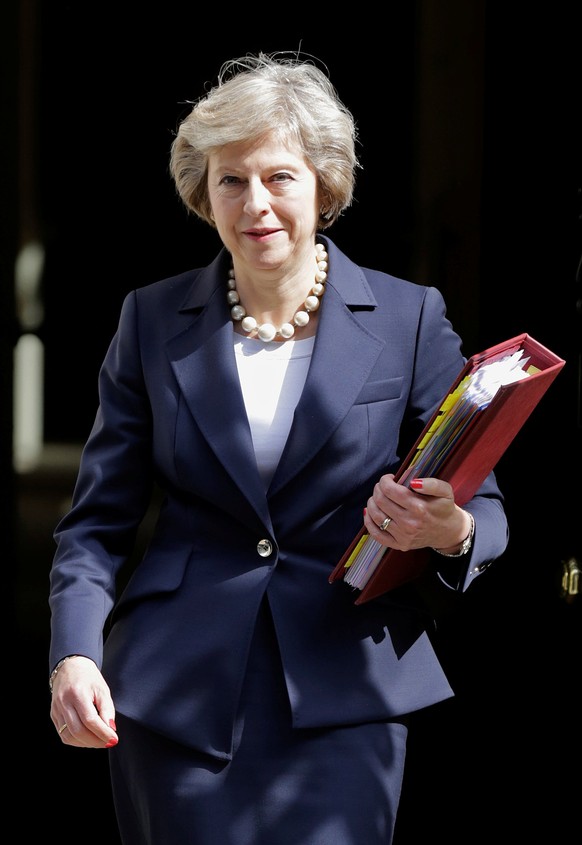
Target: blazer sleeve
<point x="439" y="360"/>
<point x="111" y="496"/>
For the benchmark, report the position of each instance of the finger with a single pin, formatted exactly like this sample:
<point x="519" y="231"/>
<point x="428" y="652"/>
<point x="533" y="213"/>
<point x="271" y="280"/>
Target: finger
<point x="390" y="495"/>
<point x="83" y="737"/>
<point x="432" y="487"/>
<point x="377" y="517"/>
<point x="375" y="531"/>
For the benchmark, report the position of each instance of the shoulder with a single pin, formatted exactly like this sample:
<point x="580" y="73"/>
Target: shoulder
<point x="186" y="291"/>
<point x="360" y="283"/>
<point x="168" y="289"/>
<point x="384" y="284"/>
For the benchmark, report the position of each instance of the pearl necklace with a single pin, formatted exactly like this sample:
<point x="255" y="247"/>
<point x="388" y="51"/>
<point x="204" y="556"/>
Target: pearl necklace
<point x="267" y="331"/>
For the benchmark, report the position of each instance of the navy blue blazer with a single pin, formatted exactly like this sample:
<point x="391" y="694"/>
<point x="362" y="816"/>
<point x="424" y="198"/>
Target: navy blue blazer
<point x="171" y="416"/>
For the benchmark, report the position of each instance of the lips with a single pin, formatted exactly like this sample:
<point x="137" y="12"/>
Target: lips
<point x="260" y="233"/>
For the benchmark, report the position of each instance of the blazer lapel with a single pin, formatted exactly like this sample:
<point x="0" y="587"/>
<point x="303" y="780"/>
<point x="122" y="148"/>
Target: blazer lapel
<point x="343" y="356"/>
<point x="204" y="364"/>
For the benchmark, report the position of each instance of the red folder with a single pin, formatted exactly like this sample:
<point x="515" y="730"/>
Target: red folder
<point x="472" y="456"/>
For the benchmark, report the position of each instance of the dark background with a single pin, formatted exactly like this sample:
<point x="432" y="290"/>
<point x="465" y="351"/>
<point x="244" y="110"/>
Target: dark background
<point x="469" y="121"/>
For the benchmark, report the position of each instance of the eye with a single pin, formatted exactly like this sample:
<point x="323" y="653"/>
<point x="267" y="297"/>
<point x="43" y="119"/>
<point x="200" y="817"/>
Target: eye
<point x="281" y="177"/>
<point x="229" y="180"/>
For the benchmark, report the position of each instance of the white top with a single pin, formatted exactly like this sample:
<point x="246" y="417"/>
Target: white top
<point x="272" y="376"/>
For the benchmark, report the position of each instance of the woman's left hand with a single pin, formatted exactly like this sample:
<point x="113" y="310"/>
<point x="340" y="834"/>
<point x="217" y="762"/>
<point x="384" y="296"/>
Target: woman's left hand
<point x="424" y="516"/>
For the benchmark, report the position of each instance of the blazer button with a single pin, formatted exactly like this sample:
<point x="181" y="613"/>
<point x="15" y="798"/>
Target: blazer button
<point x="264" y="548"/>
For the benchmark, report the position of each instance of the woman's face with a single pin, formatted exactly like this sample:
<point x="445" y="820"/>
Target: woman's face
<point x="265" y="201"/>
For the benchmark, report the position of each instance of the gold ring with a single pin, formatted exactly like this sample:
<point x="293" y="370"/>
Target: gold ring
<point x="385" y="524"/>
<point x="62" y="729"/>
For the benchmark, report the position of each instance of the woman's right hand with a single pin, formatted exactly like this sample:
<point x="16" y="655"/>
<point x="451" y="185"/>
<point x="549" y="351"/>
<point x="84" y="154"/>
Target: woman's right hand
<point x="82" y="709"/>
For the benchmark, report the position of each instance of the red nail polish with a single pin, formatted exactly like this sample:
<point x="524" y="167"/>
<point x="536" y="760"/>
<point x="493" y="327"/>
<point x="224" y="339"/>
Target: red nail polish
<point x="365" y="511"/>
<point x="112" y="742"/>
<point x="416" y="483"/>
<point x="112" y="724"/>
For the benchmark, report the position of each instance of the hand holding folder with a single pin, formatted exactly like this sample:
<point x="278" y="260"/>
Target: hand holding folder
<point x="480" y="415"/>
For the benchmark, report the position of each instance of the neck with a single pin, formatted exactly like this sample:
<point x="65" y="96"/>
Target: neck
<point x="267" y="331"/>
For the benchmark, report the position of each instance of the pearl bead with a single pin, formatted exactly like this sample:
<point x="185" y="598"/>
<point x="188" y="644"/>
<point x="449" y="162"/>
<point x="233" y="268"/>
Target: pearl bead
<point x="267" y="331"/>
<point x="249" y="324"/>
<point x="237" y="312"/>
<point x="287" y="330"/>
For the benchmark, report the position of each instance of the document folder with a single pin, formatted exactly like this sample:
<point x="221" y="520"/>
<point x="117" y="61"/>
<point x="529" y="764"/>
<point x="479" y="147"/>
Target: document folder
<point x="461" y="444"/>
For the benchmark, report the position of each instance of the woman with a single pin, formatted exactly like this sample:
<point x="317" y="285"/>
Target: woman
<point x="270" y="397"/>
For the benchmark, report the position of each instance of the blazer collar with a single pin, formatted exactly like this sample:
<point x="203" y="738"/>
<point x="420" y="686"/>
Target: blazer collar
<point x="345" y="277"/>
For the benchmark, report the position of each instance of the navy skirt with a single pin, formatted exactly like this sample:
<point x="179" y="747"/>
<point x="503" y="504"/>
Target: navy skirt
<point x="284" y="786"/>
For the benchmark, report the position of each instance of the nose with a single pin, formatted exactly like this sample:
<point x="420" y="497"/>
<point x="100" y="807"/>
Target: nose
<point x="257" y="200"/>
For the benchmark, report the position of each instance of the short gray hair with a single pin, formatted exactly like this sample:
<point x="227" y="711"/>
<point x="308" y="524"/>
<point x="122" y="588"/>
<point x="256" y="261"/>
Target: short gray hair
<point x="269" y="93"/>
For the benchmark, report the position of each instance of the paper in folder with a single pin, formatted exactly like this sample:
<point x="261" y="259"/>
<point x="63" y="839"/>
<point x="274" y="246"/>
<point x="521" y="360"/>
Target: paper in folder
<point x="480" y="415"/>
